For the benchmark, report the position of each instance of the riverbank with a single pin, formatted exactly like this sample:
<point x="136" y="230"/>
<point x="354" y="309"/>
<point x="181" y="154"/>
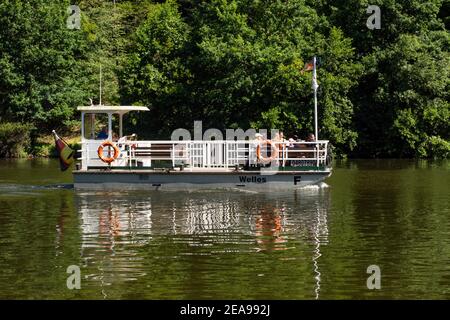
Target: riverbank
<point x="18" y="140"/>
<point x="45" y="146"/>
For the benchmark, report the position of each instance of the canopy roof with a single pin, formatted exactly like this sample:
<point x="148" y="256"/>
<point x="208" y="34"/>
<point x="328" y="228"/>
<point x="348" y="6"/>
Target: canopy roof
<point x="111" y="109"/>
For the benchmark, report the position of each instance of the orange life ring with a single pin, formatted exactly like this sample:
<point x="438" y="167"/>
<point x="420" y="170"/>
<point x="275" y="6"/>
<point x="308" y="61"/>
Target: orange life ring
<point x="273" y="149"/>
<point x="111" y="158"/>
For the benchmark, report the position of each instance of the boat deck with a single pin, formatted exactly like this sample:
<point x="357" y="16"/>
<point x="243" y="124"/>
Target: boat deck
<point x="206" y="171"/>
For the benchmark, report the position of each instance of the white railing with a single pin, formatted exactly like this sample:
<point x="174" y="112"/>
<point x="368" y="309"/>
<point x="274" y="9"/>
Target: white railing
<point x="208" y="154"/>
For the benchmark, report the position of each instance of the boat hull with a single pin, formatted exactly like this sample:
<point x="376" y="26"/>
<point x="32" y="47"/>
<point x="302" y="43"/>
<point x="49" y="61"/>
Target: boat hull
<point x="188" y="180"/>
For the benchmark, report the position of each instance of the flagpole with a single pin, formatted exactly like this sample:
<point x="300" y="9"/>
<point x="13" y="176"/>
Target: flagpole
<point x="316" y="126"/>
<point x="100" y="103"/>
<point x="315" y="86"/>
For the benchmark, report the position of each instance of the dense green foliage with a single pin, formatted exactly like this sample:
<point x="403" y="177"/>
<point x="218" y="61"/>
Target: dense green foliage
<point x="39" y="63"/>
<point x="237" y="63"/>
<point x="402" y="99"/>
<point x="14" y="139"/>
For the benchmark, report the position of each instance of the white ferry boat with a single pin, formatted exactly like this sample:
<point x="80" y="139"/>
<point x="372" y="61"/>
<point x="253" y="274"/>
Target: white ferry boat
<point x="111" y="160"/>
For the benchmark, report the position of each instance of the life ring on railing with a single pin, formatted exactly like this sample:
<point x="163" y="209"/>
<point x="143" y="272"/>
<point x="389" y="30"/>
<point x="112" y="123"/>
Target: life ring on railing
<point x="110" y="158"/>
<point x="273" y="151"/>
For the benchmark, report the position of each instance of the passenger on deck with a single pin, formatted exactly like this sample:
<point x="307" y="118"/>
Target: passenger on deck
<point x="311" y="137"/>
<point x="283" y="147"/>
<point x="291" y="143"/>
<point x="258" y="139"/>
<point x="103" y="134"/>
<point x="127" y="138"/>
<point x="296" y="151"/>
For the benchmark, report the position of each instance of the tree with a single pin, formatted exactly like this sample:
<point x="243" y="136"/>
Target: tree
<point x="39" y="74"/>
<point x="401" y="101"/>
<point x="157" y="74"/>
<point x="237" y="64"/>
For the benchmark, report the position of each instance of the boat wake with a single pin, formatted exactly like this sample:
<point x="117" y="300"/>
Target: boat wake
<point x="23" y="189"/>
<point x="320" y="185"/>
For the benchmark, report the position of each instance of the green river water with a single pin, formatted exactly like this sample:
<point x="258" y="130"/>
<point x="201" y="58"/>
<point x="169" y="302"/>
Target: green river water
<point x="312" y="243"/>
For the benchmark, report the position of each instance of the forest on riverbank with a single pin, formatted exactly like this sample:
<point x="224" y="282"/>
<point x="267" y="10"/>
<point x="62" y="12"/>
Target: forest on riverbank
<point x="231" y="64"/>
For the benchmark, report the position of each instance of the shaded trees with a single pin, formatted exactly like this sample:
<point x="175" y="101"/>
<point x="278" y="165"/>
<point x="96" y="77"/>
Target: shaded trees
<point x="236" y="63"/>
<point x="402" y="99"/>
<point x="39" y="70"/>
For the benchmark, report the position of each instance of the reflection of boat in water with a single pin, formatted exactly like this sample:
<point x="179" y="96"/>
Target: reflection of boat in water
<point x="145" y="213"/>
<point x="269" y="229"/>
<point x="117" y="229"/>
<point x="110" y="160"/>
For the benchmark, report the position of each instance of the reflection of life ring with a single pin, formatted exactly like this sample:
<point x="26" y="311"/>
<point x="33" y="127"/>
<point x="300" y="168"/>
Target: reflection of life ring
<point x="110" y="158"/>
<point x="273" y="151"/>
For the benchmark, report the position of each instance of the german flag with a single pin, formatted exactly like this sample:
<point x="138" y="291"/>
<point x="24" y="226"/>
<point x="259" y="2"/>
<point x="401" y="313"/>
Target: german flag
<point x="66" y="154"/>
<point x="309" y="66"/>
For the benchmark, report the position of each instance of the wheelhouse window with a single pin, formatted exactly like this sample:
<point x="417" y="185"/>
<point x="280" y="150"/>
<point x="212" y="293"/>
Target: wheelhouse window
<point x="96" y="126"/>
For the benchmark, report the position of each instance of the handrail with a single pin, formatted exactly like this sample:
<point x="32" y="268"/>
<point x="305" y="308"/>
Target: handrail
<point x="200" y="153"/>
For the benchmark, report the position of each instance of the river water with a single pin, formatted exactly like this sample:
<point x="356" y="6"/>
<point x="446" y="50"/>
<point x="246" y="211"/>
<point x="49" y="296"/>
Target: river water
<point x="314" y="243"/>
